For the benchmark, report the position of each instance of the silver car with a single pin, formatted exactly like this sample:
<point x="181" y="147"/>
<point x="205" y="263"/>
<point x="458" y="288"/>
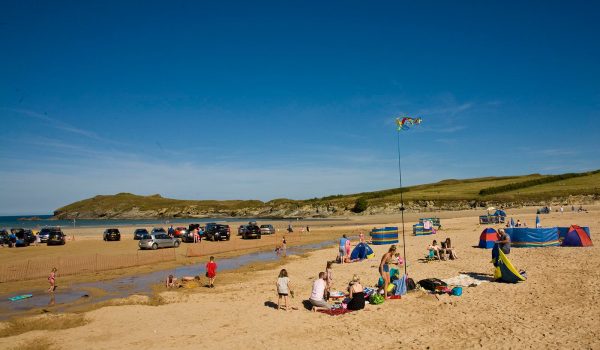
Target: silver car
<point x="267" y="229"/>
<point x="158" y="240"/>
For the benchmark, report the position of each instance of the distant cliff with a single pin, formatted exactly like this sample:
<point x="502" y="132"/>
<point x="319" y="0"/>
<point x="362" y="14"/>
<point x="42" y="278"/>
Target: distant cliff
<point x="509" y="192"/>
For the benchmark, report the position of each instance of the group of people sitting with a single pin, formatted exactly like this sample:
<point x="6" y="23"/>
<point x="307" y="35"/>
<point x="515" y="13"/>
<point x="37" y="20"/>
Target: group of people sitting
<point x="444" y="251"/>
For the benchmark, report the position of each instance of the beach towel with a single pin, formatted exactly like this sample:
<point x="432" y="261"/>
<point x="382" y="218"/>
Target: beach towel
<point x="335" y="312"/>
<point x="400" y="284"/>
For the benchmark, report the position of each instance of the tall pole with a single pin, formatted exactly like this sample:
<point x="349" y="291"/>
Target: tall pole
<point x="401" y="204"/>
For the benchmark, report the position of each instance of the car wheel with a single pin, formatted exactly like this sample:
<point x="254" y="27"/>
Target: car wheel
<point x="176" y="244"/>
<point x="258" y="236"/>
<point x="154" y="246"/>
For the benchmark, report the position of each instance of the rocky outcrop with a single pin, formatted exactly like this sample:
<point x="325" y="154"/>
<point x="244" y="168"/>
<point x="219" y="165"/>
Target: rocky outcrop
<point x="318" y="210"/>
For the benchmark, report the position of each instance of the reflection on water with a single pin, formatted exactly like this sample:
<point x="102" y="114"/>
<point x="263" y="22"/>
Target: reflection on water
<point x="78" y="294"/>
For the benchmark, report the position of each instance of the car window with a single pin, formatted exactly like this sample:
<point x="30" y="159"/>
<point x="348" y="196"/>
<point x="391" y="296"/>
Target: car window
<point x="146" y="236"/>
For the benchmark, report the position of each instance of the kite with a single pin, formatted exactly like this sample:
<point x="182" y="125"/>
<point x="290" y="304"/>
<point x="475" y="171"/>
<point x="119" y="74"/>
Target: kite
<point x="405" y="123"/>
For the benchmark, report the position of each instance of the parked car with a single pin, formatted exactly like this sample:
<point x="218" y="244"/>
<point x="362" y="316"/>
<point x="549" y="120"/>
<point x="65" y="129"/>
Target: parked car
<point x="4" y="239"/>
<point x="180" y="231"/>
<point x="56" y="237"/>
<point x="187" y="237"/>
<point x="267" y="229"/>
<point x="217" y="232"/>
<point x="157" y="230"/>
<point x="241" y="230"/>
<point x="23" y="237"/>
<point x="45" y="233"/>
<point x="252" y="231"/>
<point x="158" y="240"/>
<point x="112" y="234"/>
<point x="138" y="233"/>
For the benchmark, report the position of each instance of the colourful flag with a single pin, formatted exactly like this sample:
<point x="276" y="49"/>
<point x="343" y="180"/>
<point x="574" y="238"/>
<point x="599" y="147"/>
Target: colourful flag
<point x="406" y="123"/>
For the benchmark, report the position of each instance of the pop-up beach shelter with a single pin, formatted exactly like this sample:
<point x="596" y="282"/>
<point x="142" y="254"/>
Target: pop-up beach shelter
<point x="528" y="237"/>
<point x="504" y="269"/>
<point x="487" y="238"/>
<point x="577" y="237"/>
<point x="362" y="251"/>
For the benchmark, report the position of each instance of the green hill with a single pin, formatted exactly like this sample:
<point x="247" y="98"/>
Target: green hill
<point x="527" y="188"/>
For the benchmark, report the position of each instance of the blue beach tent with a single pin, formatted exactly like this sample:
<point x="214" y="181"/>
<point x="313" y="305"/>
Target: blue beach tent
<point x="362" y="251"/>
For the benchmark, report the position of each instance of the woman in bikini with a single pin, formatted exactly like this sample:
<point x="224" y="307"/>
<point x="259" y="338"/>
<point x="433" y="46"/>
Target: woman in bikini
<point x="384" y="268"/>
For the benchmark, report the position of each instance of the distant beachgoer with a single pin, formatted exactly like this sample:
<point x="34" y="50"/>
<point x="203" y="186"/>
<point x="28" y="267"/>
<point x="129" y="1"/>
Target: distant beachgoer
<point x="171" y="231"/>
<point x="38" y="239"/>
<point x="561" y="209"/>
<point x="283" y="288"/>
<point x="518" y="223"/>
<point x="283" y="244"/>
<point x="317" y="295"/>
<point x="384" y="268"/>
<point x="503" y="241"/>
<point x="342" y="249"/>
<point x="356" y="295"/>
<point x="211" y="272"/>
<point x="52" y="280"/>
<point x="307" y="229"/>
<point x="361" y="237"/>
<point x="171" y="282"/>
<point x="290" y="229"/>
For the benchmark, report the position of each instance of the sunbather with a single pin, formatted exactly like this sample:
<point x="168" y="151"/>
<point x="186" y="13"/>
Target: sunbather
<point x="434" y="249"/>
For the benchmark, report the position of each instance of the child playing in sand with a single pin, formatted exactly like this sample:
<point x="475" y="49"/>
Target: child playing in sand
<point x="283" y="288"/>
<point x="52" y="280"/>
<point x="171" y="282"/>
<point x="211" y="272"/>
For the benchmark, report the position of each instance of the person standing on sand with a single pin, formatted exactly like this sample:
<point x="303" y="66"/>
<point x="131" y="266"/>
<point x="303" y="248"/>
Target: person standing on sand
<point x="342" y="249"/>
<point x="283" y="288"/>
<point x="361" y="237"/>
<point x="52" y="280"/>
<point x="328" y="278"/>
<point x="211" y="272"/>
<point x="384" y="268"/>
<point x="503" y="241"/>
<point x="348" y="248"/>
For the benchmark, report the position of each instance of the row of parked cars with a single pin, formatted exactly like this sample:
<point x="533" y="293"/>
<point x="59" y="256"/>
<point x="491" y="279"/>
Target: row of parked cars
<point x="252" y="230"/>
<point x="19" y="237"/>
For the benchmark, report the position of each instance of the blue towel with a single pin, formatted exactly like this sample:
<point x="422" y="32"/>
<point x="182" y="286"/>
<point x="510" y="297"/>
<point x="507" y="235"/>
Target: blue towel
<point x="400" y="284"/>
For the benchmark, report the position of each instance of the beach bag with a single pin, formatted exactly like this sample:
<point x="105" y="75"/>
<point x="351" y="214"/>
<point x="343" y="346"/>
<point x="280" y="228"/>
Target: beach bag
<point x="431" y="283"/>
<point x="457" y="291"/>
<point x="376" y="299"/>
<point x="410" y="284"/>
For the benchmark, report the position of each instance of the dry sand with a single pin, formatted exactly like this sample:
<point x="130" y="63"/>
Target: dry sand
<point x="557" y="307"/>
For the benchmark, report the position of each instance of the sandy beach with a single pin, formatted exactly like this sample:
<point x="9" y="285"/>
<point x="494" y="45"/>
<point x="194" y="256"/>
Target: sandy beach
<point x="557" y="307"/>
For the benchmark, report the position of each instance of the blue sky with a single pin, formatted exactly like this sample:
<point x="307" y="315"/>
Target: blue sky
<point x="296" y="99"/>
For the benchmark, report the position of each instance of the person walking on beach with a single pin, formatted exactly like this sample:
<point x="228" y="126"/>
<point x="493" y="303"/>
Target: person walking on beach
<point x="211" y="272"/>
<point x="52" y="280"/>
<point x="342" y="249"/>
<point x="283" y="288"/>
<point x="361" y="237"/>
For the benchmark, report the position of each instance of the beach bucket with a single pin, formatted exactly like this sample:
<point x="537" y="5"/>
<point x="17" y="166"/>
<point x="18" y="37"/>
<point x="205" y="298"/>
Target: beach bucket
<point x="457" y="291"/>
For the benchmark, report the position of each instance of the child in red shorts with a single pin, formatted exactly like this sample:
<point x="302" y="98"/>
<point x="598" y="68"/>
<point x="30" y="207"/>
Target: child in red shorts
<point x="211" y="272"/>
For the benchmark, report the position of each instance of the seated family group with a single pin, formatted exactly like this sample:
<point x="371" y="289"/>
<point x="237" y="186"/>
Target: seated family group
<point x="444" y="251"/>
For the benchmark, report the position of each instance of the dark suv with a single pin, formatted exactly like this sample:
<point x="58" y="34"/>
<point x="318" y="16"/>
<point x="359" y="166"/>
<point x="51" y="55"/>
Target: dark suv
<point x="111" y="234"/>
<point x="56" y="237"/>
<point x="45" y="233"/>
<point x="217" y="232"/>
<point x="251" y="231"/>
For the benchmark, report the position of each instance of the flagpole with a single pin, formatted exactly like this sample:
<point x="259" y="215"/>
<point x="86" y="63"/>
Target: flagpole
<point x="402" y="205"/>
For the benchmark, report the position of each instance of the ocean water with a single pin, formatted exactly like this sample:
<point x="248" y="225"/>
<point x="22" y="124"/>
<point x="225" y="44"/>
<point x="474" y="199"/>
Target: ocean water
<point x="7" y="222"/>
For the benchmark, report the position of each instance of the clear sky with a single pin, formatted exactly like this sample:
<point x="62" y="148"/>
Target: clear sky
<point x="296" y="99"/>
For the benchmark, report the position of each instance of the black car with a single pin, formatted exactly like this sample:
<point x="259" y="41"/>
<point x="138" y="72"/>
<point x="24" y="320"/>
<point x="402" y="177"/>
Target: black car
<point x="111" y="234"/>
<point x="139" y="233"/>
<point x="4" y="239"/>
<point x="45" y="233"/>
<point x="251" y="231"/>
<point x="217" y="232"/>
<point x="23" y="237"/>
<point x="56" y="237"/>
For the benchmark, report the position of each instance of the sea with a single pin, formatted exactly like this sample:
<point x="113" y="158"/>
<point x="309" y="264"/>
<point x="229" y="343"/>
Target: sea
<point x="7" y="222"/>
